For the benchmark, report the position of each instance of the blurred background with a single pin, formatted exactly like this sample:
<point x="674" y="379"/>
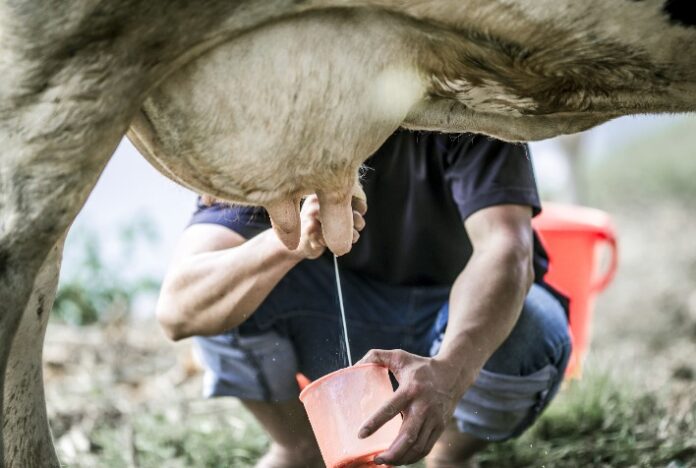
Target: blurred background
<point x="120" y="394"/>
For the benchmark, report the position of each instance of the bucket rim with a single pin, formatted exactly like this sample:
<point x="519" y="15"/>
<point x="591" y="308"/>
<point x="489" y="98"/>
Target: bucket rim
<point x="336" y="373"/>
<point x="367" y="458"/>
<point x="568" y="219"/>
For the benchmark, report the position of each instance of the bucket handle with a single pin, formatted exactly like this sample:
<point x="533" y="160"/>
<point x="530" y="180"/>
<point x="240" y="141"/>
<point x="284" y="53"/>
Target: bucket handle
<point x="603" y="281"/>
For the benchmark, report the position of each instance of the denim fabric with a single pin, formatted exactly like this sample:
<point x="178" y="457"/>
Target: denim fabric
<point x="297" y="329"/>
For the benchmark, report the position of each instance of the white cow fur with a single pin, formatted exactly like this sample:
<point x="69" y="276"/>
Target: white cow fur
<point x="263" y="101"/>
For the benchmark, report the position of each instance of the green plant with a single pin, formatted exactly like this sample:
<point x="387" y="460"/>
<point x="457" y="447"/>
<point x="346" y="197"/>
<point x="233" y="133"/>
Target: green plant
<point x="223" y="434"/>
<point x="599" y="421"/>
<point x="98" y="288"/>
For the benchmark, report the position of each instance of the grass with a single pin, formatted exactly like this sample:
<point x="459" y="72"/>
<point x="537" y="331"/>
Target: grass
<point x="94" y="288"/>
<point x="601" y="421"/>
<point x="216" y="433"/>
<point x="596" y="422"/>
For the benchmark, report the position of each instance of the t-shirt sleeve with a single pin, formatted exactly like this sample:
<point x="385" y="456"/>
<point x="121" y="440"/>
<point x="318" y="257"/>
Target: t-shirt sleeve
<point x="483" y="172"/>
<point x="247" y="221"/>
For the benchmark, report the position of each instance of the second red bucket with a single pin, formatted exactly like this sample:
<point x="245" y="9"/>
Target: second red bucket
<point x="572" y="235"/>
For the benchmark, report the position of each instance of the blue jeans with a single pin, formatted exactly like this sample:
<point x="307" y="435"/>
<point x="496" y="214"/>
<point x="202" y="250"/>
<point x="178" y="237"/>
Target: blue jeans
<point x="298" y="329"/>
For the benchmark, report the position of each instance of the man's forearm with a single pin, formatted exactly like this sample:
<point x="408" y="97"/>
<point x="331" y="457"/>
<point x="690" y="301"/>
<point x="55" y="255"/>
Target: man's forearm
<point x="210" y="292"/>
<point x="485" y="303"/>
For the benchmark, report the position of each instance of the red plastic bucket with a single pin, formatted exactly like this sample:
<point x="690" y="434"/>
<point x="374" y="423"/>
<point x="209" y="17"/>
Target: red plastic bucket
<point x="572" y="236"/>
<point x="339" y="403"/>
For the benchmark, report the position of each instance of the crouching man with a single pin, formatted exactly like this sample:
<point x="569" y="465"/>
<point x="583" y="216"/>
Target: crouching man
<point x="444" y="285"/>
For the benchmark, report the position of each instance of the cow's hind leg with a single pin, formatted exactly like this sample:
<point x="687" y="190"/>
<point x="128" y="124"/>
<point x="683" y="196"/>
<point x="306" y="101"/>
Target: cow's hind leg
<point x="44" y="185"/>
<point x="27" y="440"/>
<point x="72" y="78"/>
<point x="44" y="181"/>
<point x="54" y="144"/>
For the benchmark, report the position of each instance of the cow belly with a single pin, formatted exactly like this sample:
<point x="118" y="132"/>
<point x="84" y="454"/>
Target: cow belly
<point x="289" y="109"/>
<point x="296" y="106"/>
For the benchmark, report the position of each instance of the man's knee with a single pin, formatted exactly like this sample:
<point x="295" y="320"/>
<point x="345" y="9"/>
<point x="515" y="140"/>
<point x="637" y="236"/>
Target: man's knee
<point x="540" y="338"/>
<point x="522" y="376"/>
<point x="258" y="367"/>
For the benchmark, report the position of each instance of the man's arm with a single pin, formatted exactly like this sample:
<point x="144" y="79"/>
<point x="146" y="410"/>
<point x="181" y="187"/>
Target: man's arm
<point x="487" y="297"/>
<point x="218" y="279"/>
<point x="485" y="303"/>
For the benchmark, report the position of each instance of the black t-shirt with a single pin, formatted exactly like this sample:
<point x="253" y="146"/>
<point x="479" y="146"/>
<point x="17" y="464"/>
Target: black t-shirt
<point x="420" y="188"/>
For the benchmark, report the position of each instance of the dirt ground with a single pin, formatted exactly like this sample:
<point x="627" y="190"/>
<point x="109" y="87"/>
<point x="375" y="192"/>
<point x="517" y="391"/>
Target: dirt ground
<point x="120" y="394"/>
<point x="645" y="323"/>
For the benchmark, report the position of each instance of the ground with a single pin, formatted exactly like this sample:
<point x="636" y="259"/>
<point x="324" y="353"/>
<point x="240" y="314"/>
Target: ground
<point x="120" y="394"/>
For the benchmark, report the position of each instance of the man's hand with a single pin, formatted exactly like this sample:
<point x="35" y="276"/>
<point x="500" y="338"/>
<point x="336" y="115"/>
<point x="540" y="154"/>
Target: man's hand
<point x="312" y="243"/>
<point x="428" y="392"/>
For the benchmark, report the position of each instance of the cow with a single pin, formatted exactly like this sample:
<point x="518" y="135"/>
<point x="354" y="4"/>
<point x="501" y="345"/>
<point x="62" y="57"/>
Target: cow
<point x="264" y="101"/>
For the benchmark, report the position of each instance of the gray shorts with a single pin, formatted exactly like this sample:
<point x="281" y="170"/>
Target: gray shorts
<point x="297" y="329"/>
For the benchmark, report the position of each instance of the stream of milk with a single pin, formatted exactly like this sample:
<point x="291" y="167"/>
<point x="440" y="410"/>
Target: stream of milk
<point x="343" y="312"/>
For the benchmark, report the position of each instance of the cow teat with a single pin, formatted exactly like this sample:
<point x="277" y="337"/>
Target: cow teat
<point x="285" y="218"/>
<point x="336" y="213"/>
<point x="337" y="220"/>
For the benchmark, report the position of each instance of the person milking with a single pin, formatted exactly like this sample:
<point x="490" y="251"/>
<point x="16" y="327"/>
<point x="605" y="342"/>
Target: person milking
<point x="444" y="285"/>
